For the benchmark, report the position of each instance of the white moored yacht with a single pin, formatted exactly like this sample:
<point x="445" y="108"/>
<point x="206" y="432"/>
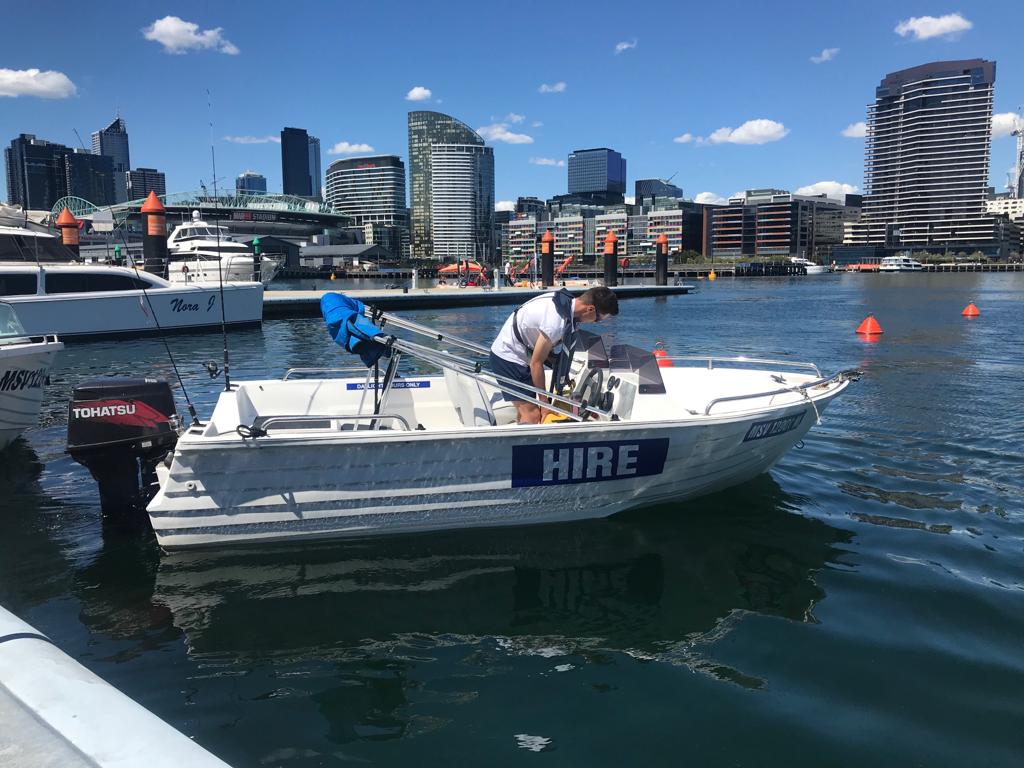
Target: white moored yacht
<point x="73" y="300"/>
<point x="25" y="362"/>
<point x="899" y="264"/>
<point x="385" y="453"/>
<point x="199" y="252"/>
<point x="809" y="266"/>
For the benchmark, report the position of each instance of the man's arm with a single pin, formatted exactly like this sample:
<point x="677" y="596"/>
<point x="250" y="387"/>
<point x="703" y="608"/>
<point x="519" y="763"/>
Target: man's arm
<point x="540" y="354"/>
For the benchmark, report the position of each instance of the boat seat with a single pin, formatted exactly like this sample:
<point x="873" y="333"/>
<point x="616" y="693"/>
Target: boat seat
<point x="469" y="398"/>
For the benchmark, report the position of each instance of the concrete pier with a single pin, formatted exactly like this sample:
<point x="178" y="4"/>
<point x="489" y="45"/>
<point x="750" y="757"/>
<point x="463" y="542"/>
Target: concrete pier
<point x="307" y="303"/>
<point x="55" y="712"/>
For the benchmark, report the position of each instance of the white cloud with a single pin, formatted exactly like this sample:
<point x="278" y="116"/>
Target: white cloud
<point x="253" y="139"/>
<point x="1005" y="123"/>
<point x="500" y="132"/>
<point x="927" y="27"/>
<point x="758" y="131"/>
<point x="620" y="47"/>
<point x="33" y="82"/>
<point x="827" y="54"/>
<point x="536" y="124"/>
<point x="345" y="148"/>
<point x="512" y="117"/>
<point x="419" y="93"/>
<point x="505" y="205"/>
<point x="558" y="87"/>
<point x="832" y="189"/>
<point x="685" y="138"/>
<point x="708" y="198"/>
<point x="547" y="161"/>
<point x="178" y="36"/>
<point x="855" y="130"/>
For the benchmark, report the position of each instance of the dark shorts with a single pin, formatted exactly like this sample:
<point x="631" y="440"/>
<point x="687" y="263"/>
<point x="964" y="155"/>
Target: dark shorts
<point x="516" y="372"/>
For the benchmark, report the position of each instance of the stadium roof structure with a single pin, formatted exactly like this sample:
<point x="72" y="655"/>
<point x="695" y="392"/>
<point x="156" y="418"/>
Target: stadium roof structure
<point x="200" y="200"/>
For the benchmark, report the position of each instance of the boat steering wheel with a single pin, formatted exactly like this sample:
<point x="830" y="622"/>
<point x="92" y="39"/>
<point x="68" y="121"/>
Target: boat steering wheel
<point x="588" y="391"/>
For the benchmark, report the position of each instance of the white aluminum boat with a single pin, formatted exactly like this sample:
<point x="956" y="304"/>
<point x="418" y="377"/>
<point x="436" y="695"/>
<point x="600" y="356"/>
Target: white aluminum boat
<point x="206" y="253"/>
<point x="25" y="362"/>
<point x="347" y="457"/>
<point x="900" y="264"/>
<point x="77" y="300"/>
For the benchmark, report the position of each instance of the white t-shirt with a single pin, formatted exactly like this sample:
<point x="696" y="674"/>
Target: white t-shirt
<point x="534" y="316"/>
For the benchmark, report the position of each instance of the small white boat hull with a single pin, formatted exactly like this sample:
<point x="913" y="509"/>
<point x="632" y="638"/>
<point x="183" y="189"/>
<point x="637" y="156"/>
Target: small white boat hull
<point x="221" y="488"/>
<point x="24" y="369"/>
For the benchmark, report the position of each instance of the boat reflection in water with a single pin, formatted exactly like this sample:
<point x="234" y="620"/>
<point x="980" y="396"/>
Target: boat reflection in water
<point x="649" y="584"/>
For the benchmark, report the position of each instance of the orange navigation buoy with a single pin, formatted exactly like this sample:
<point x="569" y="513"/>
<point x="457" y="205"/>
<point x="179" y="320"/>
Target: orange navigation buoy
<point x="971" y="311"/>
<point x="662" y="357"/>
<point x="870" y="326"/>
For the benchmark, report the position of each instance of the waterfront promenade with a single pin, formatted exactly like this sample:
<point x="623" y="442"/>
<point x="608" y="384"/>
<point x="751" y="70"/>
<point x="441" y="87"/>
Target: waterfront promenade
<point x="307" y="303"/>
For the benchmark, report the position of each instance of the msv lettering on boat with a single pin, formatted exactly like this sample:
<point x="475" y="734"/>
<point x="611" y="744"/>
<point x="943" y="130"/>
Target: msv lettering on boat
<point x="761" y="429"/>
<point x="13" y="381"/>
<point x="587" y="462"/>
<point x="398" y="384"/>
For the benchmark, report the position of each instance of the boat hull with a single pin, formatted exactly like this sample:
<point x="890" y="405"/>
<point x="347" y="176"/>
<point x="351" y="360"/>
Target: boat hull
<point x="137" y="313"/>
<point x="407" y="482"/>
<point x="24" y="369"/>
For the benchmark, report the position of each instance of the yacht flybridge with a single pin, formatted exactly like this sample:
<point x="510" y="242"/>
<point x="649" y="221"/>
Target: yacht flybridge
<point x="389" y="450"/>
<point x="205" y="253"/>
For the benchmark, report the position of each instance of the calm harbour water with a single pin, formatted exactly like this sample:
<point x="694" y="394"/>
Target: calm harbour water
<point x="861" y="604"/>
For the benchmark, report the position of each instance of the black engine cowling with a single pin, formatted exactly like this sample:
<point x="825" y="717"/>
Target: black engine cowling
<point x="119" y="429"/>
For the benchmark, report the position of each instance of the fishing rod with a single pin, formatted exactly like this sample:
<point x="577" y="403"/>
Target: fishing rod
<point x="220" y="255"/>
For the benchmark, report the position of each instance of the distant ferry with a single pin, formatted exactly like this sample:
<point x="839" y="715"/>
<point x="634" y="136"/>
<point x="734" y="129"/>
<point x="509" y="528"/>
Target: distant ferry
<point x="900" y="264"/>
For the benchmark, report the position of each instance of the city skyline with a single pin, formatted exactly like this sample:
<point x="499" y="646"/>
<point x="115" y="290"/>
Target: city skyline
<point x="757" y="115"/>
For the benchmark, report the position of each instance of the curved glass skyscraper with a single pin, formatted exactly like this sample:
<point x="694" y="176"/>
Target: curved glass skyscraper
<point x="451" y="180"/>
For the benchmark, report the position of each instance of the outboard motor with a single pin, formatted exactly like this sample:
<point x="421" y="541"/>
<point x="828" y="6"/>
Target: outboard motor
<point x="119" y="429"/>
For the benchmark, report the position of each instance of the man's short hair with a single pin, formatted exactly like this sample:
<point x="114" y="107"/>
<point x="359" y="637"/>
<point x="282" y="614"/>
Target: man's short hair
<point x="603" y="300"/>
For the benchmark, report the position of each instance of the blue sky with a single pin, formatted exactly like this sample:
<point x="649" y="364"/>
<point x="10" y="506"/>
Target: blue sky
<point x="763" y="90"/>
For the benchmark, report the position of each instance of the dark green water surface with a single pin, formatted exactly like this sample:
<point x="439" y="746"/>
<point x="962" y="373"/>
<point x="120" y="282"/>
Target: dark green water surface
<point x="861" y="604"/>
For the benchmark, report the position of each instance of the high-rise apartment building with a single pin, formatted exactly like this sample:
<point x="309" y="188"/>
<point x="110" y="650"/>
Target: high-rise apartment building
<point x="315" y="173"/>
<point x="112" y="141"/>
<point x="597" y="174"/>
<point x="451" y="179"/>
<point x="142" y="181"/>
<point x="462" y="201"/>
<point x="300" y="163"/>
<point x="926" y="158"/>
<point x="371" y="190"/>
<point x="40" y="172"/>
<point x="250" y="182"/>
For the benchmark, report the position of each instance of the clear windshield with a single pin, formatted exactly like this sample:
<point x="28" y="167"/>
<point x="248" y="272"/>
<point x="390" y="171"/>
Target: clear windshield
<point x="10" y="326"/>
<point x="32" y="248"/>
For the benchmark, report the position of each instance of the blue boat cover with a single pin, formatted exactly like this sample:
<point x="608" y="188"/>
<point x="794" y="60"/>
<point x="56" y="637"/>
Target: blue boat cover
<point x="350" y="328"/>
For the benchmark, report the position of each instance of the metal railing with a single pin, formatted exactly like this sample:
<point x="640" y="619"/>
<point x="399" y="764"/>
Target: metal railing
<point x="264" y="425"/>
<point x="348" y="369"/>
<point x="848" y="375"/>
<point x="743" y="360"/>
